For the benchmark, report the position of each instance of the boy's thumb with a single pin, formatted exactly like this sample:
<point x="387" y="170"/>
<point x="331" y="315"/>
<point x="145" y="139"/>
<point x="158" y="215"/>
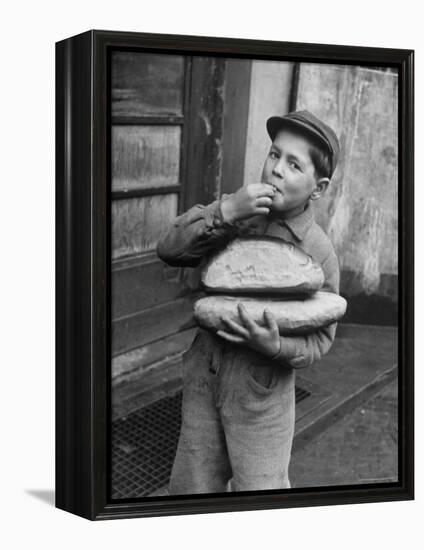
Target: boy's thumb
<point x="268" y="317"/>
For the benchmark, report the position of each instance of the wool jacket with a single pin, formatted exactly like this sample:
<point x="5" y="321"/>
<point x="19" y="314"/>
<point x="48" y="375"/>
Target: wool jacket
<point x="201" y="230"/>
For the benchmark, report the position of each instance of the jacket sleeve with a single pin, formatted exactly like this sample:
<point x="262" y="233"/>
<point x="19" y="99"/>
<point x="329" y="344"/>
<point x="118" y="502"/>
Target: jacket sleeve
<point x="301" y="351"/>
<point x="193" y="234"/>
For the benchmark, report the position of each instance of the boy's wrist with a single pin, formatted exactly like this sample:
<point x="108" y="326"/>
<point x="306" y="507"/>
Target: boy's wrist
<point x="275" y="355"/>
<point x="227" y="210"/>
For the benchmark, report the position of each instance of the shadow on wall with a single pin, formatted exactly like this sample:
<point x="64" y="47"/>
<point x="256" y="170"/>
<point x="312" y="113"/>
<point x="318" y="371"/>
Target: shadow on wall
<point x="377" y="308"/>
<point x="371" y="310"/>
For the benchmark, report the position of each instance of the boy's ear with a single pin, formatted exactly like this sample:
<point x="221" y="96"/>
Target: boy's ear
<point x="320" y="188"/>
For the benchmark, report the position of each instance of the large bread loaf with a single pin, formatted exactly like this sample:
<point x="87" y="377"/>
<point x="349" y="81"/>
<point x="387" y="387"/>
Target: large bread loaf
<point x="293" y="316"/>
<point x="262" y="265"/>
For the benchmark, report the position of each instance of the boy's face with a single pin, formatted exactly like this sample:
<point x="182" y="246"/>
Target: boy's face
<point x="289" y="169"/>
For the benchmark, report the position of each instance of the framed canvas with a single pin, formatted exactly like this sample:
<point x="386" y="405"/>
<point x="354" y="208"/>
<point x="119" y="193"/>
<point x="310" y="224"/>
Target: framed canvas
<point x="149" y="127"/>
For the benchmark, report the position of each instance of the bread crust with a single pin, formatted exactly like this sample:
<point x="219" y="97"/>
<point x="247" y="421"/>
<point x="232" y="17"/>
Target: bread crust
<point x="262" y="265"/>
<point x="297" y="316"/>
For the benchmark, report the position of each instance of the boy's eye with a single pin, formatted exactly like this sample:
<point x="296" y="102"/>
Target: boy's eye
<point x="294" y="165"/>
<point x="273" y="154"/>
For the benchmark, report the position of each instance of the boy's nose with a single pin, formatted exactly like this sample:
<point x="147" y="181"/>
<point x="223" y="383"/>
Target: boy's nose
<point x="278" y="170"/>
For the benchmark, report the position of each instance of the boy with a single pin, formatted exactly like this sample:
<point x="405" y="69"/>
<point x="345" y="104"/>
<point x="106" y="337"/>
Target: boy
<point x="239" y="394"/>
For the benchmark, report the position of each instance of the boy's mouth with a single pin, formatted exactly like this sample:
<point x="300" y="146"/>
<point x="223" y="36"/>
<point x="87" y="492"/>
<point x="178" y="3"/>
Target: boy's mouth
<point x="275" y="188"/>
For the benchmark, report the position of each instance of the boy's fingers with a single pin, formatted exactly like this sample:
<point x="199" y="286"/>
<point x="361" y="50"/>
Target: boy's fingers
<point x="270" y="320"/>
<point x="262" y="210"/>
<point x="263" y="189"/>
<point x="266" y="189"/>
<point x="245" y="317"/>
<point x="264" y="201"/>
<point x="230" y="337"/>
<point x="235" y="327"/>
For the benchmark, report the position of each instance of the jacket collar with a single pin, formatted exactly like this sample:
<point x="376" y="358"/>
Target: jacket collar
<point x="300" y="224"/>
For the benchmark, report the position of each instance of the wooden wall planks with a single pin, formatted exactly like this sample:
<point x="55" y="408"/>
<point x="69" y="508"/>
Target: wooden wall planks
<point x="137" y="223"/>
<point x="145" y="156"/>
<point x="145" y="84"/>
<point x="152" y="324"/>
<point x="141" y="283"/>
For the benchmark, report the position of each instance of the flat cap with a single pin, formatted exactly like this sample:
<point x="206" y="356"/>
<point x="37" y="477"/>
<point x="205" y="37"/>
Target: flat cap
<point x="310" y="124"/>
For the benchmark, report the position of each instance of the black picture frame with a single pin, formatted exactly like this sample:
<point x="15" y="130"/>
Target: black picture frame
<point x="83" y="278"/>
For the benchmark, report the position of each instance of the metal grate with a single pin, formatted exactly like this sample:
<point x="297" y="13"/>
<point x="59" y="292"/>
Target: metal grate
<point x="144" y="445"/>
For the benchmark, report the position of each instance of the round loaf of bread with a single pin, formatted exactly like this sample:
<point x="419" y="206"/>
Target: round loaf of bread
<point x="262" y="265"/>
<point x="298" y="316"/>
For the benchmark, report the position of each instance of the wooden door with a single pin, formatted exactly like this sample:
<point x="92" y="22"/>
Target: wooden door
<point x="165" y="149"/>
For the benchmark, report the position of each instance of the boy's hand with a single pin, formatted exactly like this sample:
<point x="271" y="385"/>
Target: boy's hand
<point x="265" y="339"/>
<point x="250" y="200"/>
